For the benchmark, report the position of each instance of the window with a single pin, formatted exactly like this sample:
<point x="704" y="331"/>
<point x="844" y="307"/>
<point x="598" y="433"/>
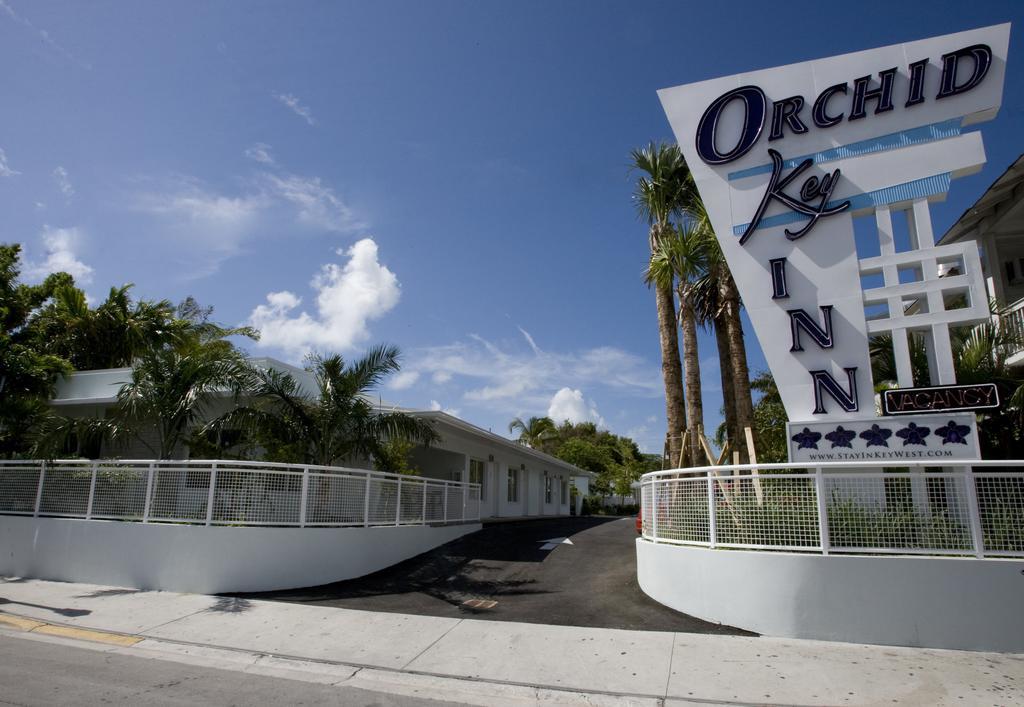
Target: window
<point x="547" y="488"/>
<point x="476" y="474"/>
<point x="513" y="485"/>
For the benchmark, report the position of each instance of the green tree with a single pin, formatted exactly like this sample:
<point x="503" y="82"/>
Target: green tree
<point x="112" y="334"/>
<point x="339" y="424"/>
<point x="658" y="195"/>
<point x="27" y="375"/>
<point x="537" y="433"/>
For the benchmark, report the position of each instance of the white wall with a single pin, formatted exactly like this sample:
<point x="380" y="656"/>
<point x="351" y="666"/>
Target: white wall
<point x="933" y="602"/>
<point x="206" y="560"/>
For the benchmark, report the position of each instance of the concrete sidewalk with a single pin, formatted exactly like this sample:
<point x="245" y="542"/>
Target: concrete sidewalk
<point x="577" y="663"/>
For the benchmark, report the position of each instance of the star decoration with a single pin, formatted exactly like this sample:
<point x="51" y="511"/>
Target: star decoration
<point x="913" y="434"/>
<point x="841" y="437"/>
<point x="807" y="439"/>
<point x="953" y="433"/>
<point x="876" y="436"/>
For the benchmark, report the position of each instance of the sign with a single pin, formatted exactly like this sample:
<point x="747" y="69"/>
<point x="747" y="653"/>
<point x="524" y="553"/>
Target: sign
<point x="941" y="398"/>
<point x="784" y="158"/>
<point x="950" y="437"/>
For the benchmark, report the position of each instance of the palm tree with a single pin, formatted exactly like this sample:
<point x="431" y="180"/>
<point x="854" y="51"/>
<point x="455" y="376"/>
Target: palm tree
<point x="112" y="334"/>
<point x="339" y="424"/>
<point x="536" y="433"/>
<point x="172" y="390"/>
<point x="682" y="257"/>
<point x="658" y="195"/>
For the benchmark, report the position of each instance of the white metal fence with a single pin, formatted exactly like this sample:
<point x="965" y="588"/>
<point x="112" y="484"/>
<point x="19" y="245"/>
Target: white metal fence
<point x="220" y="492"/>
<point x="841" y="507"/>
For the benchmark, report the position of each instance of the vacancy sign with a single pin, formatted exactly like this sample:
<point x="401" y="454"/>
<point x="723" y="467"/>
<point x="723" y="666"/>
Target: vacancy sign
<point x="784" y="158"/>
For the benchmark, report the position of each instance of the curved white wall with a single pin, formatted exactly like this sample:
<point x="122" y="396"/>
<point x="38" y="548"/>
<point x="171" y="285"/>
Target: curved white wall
<point x="932" y="602"/>
<point x="206" y="560"/>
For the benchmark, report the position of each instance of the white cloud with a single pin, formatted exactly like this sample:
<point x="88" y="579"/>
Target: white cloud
<point x="403" y="380"/>
<point x="260" y="152"/>
<point x="5" y="169"/>
<point x="347" y="298"/>
<point x="206" y="226"/>
<point x="437" y="407"/>
<point x="527" y="379"/>
<point x="316" y="204"/>
<point x="60" y="245"/>
<point x="60" y="175"/>
<point x="569" y="404"/>
<point x="296" y="106"/>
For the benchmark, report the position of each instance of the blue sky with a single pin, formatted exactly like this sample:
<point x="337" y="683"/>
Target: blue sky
<point x="451" y="177"/>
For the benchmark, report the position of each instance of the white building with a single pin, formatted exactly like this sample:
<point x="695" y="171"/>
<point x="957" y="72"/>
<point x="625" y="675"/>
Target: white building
<point x="516" y="481"/>
<point x="996" y="222"/>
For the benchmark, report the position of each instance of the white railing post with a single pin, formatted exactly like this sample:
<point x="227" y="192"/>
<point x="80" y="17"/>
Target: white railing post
<point x="654" y="508"/>
<point x="465" y="499"/>
<point x="92" y="492"/>
<point x="39" y="488"/>
<point x="398" y="502"/>
<point x="819" y="492"/>
<point x="445" y="505"/>
<point x="712" y="520"/>
<point x="423" y="518"/>
<point x="149" y="493"/>
<point x="303" y="502"/>
<point x="366" y="502"/>
<point x="211" y="494"/>
<point x="973" y="512"/>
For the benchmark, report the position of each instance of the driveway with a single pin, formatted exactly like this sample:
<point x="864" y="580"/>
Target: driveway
<point x="590" y="582"/>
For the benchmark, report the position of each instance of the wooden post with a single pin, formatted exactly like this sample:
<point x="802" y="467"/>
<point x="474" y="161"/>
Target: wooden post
<point x="755" y="477"/>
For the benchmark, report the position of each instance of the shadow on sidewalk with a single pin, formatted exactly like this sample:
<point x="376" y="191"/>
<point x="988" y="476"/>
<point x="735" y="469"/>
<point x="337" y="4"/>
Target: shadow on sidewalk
<point x="69" y="613"/>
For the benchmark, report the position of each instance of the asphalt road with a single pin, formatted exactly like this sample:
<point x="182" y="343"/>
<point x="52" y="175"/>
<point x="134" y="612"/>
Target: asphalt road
<point x="35" y="673"/>
<point x="589" y="583"/>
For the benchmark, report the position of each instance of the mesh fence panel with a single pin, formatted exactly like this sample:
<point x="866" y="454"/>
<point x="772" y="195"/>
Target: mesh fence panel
<point x="681" y="510"/>
<point x="66" y="489"/>
<point x="435" y="503"/>
<point x="455" y="505"/>
<point x="898" y="512"/>
<point x="179" y="494"/>
<point x="248" y="496"/>
<point x="19" y="484"/>
<point x="766" y="511"/>
<point x="383" y="501"/>
<point x="412" y="501"/>
<point x="1001" y="511"/>
<point x="120" y="492"/>
<point x="336" y="499"/>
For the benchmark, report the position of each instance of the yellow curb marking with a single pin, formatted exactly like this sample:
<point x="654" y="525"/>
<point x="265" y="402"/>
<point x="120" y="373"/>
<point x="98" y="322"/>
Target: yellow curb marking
<point x="20" y="623"/>
<point x="83" y="634"/>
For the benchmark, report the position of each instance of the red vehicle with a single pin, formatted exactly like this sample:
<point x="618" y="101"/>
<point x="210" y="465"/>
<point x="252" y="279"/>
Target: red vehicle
<point x="640" y="522"/>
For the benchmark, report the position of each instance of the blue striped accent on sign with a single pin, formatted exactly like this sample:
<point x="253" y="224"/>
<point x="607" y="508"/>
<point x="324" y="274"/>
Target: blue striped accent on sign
<point x="905" y="138"/>
<point x="917" y="189"/>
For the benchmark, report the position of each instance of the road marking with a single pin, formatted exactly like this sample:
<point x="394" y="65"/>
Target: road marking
<point x="552" y="543"/>
<point x="480" y="603"/>
<point x="84" y="634"/>
<point x="19" y="622"/>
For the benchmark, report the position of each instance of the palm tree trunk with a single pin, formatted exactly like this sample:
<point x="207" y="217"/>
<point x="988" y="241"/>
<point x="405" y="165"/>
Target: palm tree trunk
<point x="691" y="368"/>
<point x="728" y="389"/>
<point x="737" y="359"/>
<point x="671" y="370"/>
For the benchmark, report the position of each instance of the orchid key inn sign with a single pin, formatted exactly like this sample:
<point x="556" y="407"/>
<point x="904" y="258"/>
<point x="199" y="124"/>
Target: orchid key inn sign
<point x="786" y="158"/>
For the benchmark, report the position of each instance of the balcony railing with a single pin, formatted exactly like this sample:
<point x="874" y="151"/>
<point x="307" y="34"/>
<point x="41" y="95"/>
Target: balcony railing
<point x="1012" y="320"/>
<point x="841" y="507"/>
<point x="220" y="492"/>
